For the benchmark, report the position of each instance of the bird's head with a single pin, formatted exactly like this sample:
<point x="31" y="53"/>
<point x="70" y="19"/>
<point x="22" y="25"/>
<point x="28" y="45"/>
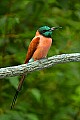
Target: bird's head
<point x="47" y="31"/>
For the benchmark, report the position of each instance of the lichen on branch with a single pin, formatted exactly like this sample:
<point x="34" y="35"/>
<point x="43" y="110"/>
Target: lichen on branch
<point x="38" y="65"/>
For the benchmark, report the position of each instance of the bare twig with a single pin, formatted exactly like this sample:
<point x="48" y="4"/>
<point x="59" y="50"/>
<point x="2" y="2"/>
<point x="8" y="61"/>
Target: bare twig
<point x="38" y="65"/>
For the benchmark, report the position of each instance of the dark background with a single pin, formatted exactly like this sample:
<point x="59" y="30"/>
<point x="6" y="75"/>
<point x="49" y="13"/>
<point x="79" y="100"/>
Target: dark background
<point x="50" y="94"/>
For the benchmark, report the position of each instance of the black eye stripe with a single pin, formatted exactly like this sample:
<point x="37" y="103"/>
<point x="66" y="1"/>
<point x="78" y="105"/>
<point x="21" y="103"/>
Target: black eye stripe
<point x="45" y="30"/>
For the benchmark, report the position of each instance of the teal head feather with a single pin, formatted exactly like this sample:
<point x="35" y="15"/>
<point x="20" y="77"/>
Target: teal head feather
<point x="45" y="31"/>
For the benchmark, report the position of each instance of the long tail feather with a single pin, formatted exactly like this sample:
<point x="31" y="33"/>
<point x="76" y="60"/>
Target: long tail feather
<point x="18" y="90"/>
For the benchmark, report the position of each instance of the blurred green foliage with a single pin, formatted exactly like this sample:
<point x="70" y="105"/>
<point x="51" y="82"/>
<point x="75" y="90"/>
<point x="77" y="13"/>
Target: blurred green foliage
<point x="50" y="94"/>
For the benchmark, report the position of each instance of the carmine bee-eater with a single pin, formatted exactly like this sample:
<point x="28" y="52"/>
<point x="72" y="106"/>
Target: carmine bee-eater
<point x="38" y="49"/>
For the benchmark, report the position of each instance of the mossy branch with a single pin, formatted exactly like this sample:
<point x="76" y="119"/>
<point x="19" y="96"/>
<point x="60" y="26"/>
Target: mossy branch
<point x="38" y="65"/>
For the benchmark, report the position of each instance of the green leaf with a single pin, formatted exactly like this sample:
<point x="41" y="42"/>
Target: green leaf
<point x="14" y="81"/>
<point x="36" y="93"/>
<point x="32" y="117"/>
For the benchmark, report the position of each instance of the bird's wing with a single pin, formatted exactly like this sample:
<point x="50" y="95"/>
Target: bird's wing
<point x="32" y="47"/>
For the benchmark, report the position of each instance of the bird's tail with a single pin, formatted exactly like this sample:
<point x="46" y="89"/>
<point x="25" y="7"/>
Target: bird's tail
<point x="18" y="90"/>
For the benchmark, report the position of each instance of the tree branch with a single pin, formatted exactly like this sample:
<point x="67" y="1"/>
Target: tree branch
<point x="38" y="65"/>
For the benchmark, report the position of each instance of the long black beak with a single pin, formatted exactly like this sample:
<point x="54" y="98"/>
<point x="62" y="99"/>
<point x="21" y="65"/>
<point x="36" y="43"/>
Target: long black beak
<point x="54" y="28"/>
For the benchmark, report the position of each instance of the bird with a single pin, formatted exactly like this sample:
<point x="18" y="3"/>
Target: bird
<point x="38" y="49"/>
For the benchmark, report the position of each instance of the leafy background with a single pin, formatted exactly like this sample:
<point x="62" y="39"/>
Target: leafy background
<point x="50" y="94"/>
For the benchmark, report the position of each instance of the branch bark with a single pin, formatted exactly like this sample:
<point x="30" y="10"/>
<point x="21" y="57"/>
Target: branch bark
<point x="38" y="65"/>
